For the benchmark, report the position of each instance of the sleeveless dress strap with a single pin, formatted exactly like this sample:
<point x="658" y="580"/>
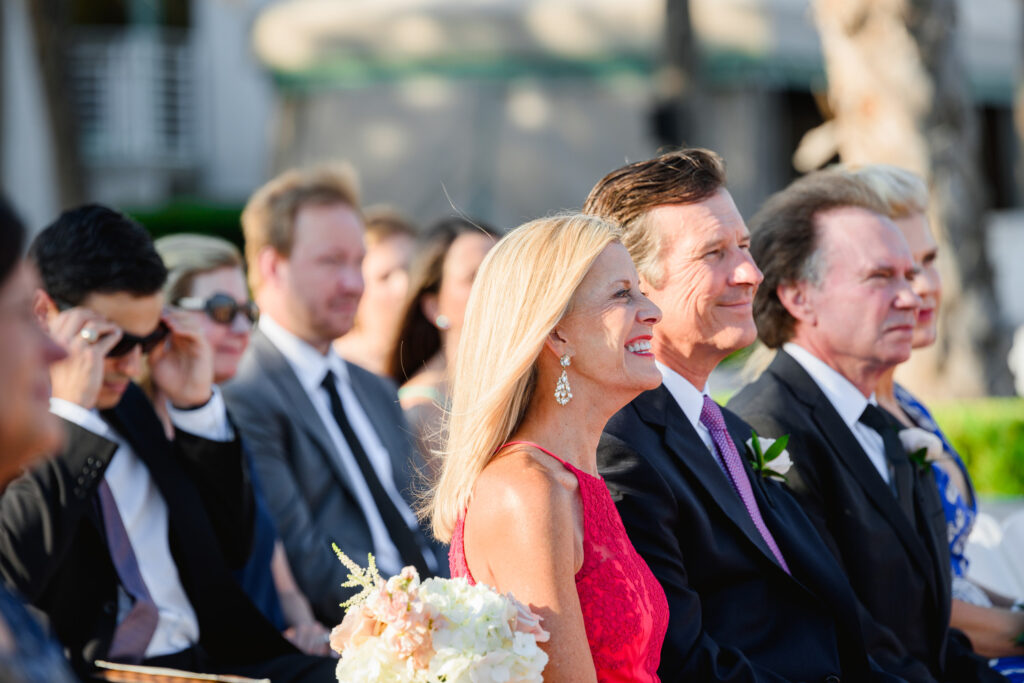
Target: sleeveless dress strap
<point x="538" y="447"/>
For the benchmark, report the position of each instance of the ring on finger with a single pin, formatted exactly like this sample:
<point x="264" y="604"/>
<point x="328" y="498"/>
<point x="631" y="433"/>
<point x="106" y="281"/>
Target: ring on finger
<point x="90" y="335"/>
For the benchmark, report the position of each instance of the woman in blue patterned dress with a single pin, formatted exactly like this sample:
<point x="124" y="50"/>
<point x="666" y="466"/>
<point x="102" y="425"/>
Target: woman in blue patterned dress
<point x="987" y="618"/>
<point x="27" y="430"/>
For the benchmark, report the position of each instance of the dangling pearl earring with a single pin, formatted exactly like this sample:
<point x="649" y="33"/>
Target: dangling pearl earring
<point x="563" y="394"/>
<point x="442" y="322"/>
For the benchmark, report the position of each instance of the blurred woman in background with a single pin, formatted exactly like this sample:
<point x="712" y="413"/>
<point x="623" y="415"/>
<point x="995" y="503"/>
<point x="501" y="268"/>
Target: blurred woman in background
<point x="27" y="431"/>
<point x="206" y="277"/>
<point x="390" y="239"/>
<point x="984" y="616"/>
<point x="440" y="279"/>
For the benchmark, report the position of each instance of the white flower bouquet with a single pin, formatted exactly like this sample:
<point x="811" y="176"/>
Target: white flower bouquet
<point x="441" y="630"/>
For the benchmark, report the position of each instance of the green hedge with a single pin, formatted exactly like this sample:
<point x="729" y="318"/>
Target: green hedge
<point x="989" y="435"/>
<point x="192" y="216"/>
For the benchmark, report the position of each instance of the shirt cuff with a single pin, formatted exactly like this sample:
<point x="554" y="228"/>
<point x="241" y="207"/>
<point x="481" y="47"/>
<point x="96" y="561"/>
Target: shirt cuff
<point x="83" y="417"/>
<point x="209" y="421"/>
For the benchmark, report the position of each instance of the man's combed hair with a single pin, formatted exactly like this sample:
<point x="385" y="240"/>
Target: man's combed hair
<point x="627" y="195"/>
<point x="784" y="241"/>
<point x="268" y="219"/>
<point x="94" y="249"/>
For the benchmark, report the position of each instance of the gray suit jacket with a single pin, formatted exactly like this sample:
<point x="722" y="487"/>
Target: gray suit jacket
<point x="308" y="491"/>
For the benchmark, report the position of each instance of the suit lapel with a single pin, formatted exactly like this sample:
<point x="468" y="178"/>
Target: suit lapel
<point x="302" y="410"/>
<point x="190" y="536"/>
<point x="851" y="455"/>
<point x="135" y="420"/>
<point x="683" y="442"/>
<point x="933" y="523"/>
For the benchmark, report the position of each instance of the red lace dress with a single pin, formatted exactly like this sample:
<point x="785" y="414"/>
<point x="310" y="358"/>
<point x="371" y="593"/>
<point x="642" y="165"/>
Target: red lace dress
<point x="624" y="607"/>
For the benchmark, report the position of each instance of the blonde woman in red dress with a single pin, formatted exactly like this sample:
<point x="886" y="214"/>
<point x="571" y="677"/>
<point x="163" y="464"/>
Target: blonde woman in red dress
<point x="555" y="341"/>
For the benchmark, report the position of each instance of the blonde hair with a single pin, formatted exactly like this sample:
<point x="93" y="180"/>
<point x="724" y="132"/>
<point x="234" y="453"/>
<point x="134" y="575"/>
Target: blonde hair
<point x="268" y="219"/>
<point x="524" y="288"/>
<point x="187" y="255"/>
<point x="903" y="192"/>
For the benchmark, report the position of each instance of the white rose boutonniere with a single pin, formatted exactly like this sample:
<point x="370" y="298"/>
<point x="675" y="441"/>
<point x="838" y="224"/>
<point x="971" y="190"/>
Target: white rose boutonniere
<point x="921" y="446"/>
<point x="769" y="457"/>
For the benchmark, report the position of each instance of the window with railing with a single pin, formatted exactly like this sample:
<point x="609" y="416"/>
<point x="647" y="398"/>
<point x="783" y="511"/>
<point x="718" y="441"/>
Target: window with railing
<point x="134" y="95"/>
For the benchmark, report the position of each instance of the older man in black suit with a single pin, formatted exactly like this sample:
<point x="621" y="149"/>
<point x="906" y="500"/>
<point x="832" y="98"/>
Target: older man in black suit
<point x="754" y="594"/>
<point x="125" y="539"/>
<point x="837" y="303"/>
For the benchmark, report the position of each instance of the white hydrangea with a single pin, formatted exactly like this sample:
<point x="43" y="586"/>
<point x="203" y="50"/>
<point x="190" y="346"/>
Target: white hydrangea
<point x="474" y="641"/>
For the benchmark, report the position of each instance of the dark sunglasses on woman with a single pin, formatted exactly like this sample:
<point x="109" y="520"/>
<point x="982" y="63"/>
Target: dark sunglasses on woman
<point x="127" y="343"/>
<point x="221" y="308"/>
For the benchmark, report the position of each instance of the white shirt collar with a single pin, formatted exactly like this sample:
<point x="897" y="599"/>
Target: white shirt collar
<point x="689" y="397"/>
<point x="309" y="364"/>
<point x="844" y="396"/>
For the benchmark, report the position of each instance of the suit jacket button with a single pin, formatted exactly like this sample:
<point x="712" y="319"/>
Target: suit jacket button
<point x="832" y="679"/>
<point x="110" y="607"/>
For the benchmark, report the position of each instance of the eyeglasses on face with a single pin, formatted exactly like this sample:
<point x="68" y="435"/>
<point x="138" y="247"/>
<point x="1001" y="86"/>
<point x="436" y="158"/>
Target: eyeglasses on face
<point x="221" y="308"/>
<point x="127" y="343"/>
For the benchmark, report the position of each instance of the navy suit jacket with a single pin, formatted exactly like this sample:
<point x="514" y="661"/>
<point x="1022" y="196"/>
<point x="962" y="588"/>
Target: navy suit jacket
<point x="735" y="614"/>
<point x="898" y="566"/>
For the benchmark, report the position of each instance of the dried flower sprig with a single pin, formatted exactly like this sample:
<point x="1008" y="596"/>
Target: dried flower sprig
<point x="364" y="579"/>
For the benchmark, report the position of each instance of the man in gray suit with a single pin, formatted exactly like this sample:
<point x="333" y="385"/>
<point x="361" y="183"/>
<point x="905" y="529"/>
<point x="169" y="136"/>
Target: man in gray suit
<point x="328" y="439"/>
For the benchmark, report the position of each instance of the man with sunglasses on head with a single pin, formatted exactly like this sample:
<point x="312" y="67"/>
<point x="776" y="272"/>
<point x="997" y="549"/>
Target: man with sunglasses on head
<point x="125" y="540"/>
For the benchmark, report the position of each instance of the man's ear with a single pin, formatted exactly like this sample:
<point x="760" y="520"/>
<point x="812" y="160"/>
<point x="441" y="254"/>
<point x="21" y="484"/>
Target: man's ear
<point x="43" y="307"/>
<point x="795" y="298"/>
<point x="268" y="264"/>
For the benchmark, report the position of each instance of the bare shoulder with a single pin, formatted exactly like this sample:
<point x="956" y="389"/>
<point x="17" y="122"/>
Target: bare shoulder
<point x="530" y="498"/>
<point x="524" y="478"/>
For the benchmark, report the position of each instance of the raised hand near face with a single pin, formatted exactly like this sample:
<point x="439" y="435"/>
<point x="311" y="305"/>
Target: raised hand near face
<point x="87" y="338"/>
<point x="182" y="367"/>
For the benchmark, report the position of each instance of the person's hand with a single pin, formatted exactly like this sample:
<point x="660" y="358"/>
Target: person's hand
<point x="86" y="337"/>
<point x="310" y="637"/>
<point x="182" y="366"/>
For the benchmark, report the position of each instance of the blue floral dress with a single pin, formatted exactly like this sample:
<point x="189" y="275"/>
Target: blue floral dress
<point x="960" y="516"/>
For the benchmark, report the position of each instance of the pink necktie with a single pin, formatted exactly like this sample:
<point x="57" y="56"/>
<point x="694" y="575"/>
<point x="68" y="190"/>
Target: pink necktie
<point x="132" y="636"/>
<point x="711" y="417"/>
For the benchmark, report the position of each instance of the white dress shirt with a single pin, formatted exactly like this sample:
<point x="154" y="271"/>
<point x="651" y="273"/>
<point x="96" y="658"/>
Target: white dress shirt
<point x="310" y="367"/>
<point x="144" y="513"/>
<point x="691" y="402"/>
<point x="848" y="402"/>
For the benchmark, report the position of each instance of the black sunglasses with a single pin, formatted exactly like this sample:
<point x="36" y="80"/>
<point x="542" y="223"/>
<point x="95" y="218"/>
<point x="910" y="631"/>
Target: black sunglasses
<point x="127" y="343"/>
<point x="221" y="308"/>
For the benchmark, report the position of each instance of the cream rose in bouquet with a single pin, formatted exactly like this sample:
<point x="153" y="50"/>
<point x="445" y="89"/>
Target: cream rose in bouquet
<point x="439" y="630"/>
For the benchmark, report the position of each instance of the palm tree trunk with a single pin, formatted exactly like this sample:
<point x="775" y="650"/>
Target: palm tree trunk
<point x="898" y="89"/>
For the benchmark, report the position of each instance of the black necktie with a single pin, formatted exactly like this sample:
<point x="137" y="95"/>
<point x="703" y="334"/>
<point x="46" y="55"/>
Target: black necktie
<point x="399" y="531"/>
<point x="901" y="476"/>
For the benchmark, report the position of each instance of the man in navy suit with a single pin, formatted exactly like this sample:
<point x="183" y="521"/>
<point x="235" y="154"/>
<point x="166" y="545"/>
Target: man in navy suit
<point x="754" y="594"/>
